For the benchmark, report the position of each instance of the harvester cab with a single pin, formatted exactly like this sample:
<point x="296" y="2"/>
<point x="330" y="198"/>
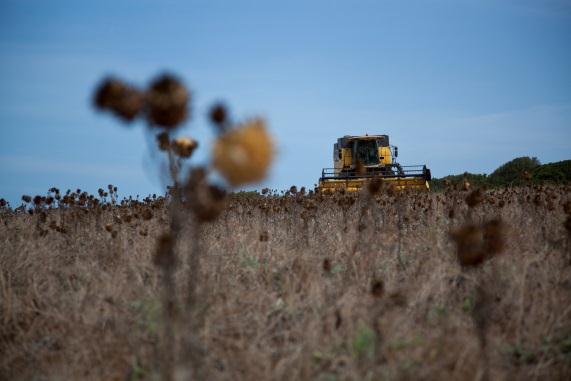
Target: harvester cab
<point x="360" y="159"/>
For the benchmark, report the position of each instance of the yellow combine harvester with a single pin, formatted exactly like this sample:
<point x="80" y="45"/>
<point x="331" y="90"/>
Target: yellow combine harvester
<point x="359" y="159"/>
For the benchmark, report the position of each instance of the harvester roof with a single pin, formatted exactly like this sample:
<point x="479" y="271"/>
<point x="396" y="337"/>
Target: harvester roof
<point x="366" y="136"/>
<point x="344" y="141"/>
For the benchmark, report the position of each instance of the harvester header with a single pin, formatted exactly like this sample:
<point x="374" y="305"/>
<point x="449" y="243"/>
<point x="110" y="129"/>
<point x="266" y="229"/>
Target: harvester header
<point x="360" y="159"/>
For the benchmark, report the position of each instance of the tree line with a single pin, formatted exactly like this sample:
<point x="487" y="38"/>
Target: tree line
<point x="519" y="171"/>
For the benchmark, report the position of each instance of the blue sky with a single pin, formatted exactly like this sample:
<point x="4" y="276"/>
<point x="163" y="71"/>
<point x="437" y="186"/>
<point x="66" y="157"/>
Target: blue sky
<point x="460" y="85"/>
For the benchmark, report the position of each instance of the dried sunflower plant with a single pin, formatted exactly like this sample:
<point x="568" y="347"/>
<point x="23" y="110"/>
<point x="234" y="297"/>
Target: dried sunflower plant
<point x="477" y="244"/>
<point x="242" y="154"/>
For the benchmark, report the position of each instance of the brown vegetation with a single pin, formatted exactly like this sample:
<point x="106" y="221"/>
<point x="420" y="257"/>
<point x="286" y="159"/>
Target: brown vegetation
<point x="388" y="285"/>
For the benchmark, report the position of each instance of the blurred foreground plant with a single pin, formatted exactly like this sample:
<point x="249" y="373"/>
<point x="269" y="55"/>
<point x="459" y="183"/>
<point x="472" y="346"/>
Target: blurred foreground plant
<point x="242" y="154"/>
<point x="477" y="244"/>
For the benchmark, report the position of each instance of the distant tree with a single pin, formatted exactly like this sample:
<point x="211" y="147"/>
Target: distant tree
<point x="514" y="172"/>
<point x="559" y="172"/>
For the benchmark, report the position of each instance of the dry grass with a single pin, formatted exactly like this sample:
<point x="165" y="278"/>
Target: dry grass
<point x="290" y="287"/>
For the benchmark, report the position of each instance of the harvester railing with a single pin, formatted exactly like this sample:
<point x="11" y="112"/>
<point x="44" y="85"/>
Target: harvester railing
<point x="389" y="171"/>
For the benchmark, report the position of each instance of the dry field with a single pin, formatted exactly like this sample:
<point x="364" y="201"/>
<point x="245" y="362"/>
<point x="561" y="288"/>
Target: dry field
<point x="447" y="285"/>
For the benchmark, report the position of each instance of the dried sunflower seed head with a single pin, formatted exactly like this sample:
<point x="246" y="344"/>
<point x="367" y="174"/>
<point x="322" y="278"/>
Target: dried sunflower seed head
<point x="163" y="141"/>
<point x="374" y="186"/>
<point x="38" y="200"/>
<point x="184" y="147"/>
<point x="244" y="154"/>
<point x="219" y="116"/>
<point x="264" y="236"/>
<point x="478" y="243"/>
<point x="469" y="241"/>
<point x="167" y="102"/>
<point x="326" y="265"/>
<point x="377" y="288"/>
<point x="475" y="198"/>
<point x="123" y="100"/>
